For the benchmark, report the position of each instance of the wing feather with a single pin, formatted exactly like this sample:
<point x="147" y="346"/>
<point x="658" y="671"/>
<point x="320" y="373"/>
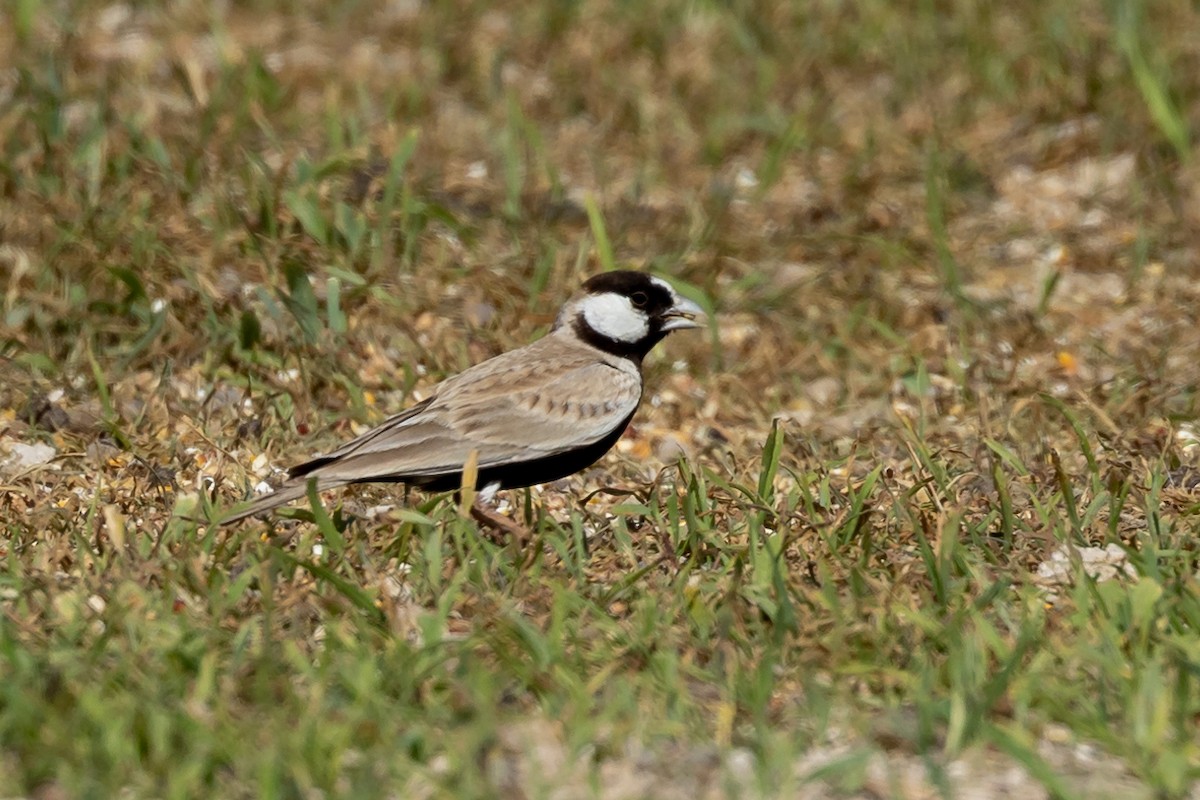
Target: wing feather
<point x="513" y="408"/>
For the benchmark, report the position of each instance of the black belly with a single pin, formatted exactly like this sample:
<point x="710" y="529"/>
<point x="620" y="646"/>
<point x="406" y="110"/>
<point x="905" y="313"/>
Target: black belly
<point x="518" y="474"/>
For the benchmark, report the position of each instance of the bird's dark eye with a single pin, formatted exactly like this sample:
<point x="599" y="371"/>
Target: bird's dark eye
<point x="639" y="299"/>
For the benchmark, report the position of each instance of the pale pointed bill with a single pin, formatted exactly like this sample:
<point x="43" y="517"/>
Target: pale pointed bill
<point x="683" y="314"/>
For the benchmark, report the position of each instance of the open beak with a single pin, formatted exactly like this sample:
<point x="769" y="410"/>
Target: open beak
<point x="684" y="314"/>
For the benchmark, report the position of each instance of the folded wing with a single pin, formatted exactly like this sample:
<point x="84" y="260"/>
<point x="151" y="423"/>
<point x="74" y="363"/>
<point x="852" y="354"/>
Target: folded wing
<point x="508" y="417"/>
<point x="518" y="407"/>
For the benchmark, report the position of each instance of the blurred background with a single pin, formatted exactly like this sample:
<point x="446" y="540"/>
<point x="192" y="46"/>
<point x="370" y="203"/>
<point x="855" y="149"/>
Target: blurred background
<point x="951" y="251"/>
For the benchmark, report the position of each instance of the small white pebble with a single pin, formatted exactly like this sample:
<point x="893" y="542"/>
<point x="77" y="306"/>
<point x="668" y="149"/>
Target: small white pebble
<point x="1188" y="435"/>
<point x="740" y="763"/>
<point x="378" y="511"/>
<point x="746" y="179"/>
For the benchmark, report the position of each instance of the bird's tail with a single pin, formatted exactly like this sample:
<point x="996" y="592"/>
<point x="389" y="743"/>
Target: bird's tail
<point x="289" y="492"/>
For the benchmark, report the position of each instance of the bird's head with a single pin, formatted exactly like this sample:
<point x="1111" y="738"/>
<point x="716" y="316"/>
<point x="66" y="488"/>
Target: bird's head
<point x="626" y="312"/>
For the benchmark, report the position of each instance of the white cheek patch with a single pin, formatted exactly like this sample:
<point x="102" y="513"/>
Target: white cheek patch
<point x="613" y="316"/>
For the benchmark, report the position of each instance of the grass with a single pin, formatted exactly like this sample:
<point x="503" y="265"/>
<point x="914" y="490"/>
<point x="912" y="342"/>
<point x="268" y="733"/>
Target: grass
<point x="950" y="255"/>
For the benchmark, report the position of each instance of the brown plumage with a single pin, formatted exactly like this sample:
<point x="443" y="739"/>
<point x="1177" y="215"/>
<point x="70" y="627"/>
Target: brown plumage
<point x="531" y="415"/>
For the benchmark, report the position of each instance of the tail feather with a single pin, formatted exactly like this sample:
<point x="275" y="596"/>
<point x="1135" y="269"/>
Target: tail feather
<point x="287" y="493"/>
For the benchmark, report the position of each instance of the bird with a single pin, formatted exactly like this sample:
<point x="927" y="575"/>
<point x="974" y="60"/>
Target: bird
<point x="528" y="416"/>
